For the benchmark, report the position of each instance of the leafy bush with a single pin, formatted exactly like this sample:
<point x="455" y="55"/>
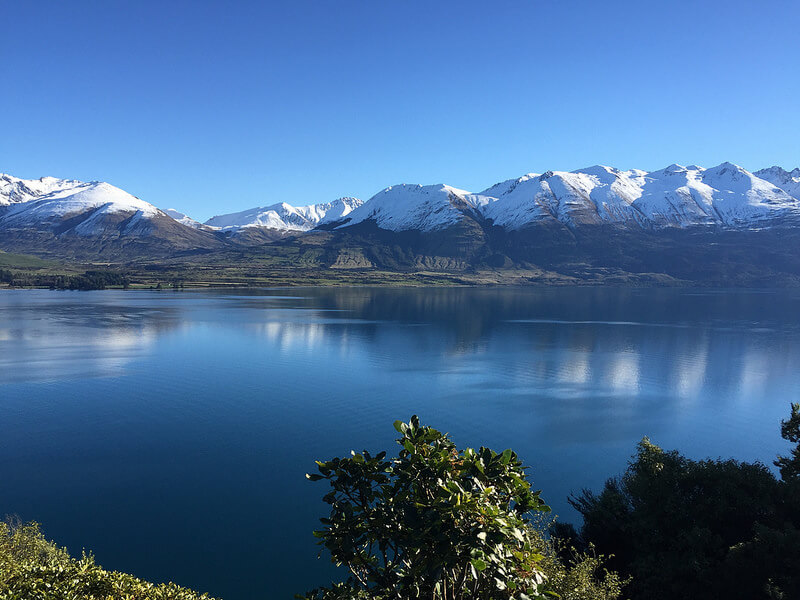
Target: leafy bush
<point x="32" y="568"/>
<point x="700" y="529"/>
<point x="440" y="523"/>
<point x="790" y="430"/>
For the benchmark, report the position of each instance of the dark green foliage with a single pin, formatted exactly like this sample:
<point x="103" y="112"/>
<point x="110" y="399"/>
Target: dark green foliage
<point x="440" y="523"/>
<point x="90" y="280"/>
<point x="790" y="430"/>
<point x="31" y="568"/>
<point x="696" y="529"/>
<point x="97" y="280"/>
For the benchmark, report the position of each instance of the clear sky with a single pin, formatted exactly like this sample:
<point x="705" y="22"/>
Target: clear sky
<point x="213" y="107"/>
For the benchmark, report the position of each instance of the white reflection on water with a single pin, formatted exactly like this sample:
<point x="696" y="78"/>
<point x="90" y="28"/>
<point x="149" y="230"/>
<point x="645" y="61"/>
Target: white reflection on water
<point x="58" y="354"/>
<point x="623" y="371"/>
<point x="576" y="370"/>
<point x="756" y="366"/>
<point x="48" y="336"/>
<point x="690" y="370"/>
<point x="292" y="336"/>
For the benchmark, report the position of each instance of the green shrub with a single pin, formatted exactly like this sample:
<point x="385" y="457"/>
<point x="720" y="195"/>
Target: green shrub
<point x="32" y="568"/>
<point x="443" y="524"/>
<point x="714" y="529"/>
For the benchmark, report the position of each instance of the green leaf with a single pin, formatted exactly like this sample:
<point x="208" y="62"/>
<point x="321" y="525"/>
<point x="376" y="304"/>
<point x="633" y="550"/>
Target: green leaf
<point x="479" y="564"/>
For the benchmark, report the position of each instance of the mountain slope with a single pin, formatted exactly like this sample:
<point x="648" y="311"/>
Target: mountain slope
<point x="53" y="217"/>
<point x="14" y="190"/>
<point x="184" y="219"/>
<point x="285" y="217"/>
<point x="788" y="181"/>
<point x="726" y="196"/>
<point x="416" y="207"/>
<point x="598" y="216"/>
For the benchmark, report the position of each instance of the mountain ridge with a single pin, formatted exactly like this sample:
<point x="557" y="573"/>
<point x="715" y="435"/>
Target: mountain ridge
<point x="597" y="217"/>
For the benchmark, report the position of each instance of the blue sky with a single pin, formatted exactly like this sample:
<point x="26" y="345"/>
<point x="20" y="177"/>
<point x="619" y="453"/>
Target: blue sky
<point x="214" y="107"/>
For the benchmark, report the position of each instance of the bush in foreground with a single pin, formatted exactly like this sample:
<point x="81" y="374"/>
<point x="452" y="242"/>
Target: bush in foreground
<point x="32" y="568"/>
<point x="716" y="529"/>
<point x="439" y="523"/>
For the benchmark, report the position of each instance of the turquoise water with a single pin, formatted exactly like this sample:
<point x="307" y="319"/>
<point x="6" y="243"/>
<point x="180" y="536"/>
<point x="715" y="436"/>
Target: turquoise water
<point x="169" y="432"/>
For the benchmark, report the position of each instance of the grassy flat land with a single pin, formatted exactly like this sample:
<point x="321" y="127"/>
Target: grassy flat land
<point x="8" y="260"/>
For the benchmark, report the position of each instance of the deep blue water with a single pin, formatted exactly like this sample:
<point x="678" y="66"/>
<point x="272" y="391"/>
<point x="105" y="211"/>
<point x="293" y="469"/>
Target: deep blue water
<point x="169" y="432"/>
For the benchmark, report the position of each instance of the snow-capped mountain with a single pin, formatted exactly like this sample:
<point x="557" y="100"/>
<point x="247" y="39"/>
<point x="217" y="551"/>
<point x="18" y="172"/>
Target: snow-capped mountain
<point x="512" y="222"/>
<point x="40" y="214"/>
<point x="14" y="190"/>
<point x="425" y="208"/>
<point x="788" y="181"/>
<point x="726" y="196"/>
<point x="284" y="217"/>
<point x="90" y="205"/>
<point x="183" y="219"/>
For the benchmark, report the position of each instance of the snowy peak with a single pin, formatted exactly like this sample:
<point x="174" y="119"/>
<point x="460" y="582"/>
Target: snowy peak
<point x="82" y="208"/>
<point x="332" y="212"/>
<point x="592" y="195"/>
<point x="672" y="169"/>
<point x="285" y="217"/>
<point x="183" y="219"/>
<point x="779" y="175"/>
<point x="727" y="169"/>
<point x="788" y="181"/>
<point x="602" y="172"/>
<point x="67" y="207"/>
<point x="498" y="189"/>
<point x="66" y="201"/>
<point x="14" y="190"/>
<point x="426" y="208"/>
<point x="275" y="216"/>
<point x="725" y="195"/>
<point x="676" y="196"/>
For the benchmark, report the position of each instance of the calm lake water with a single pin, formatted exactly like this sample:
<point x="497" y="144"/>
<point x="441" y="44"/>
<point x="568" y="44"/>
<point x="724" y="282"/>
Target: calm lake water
<point x="169" y="432"/>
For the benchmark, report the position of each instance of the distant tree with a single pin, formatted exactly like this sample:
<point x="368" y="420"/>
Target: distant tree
<point x="790" y="430"/>
<point x="441" y="524"/>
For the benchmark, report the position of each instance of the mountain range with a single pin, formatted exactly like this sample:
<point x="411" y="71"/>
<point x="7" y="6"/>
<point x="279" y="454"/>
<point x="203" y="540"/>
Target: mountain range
<point x="524" y="221"/>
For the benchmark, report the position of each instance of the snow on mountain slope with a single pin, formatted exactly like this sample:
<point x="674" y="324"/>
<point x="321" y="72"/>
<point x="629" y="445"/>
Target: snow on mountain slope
<point x="788" y="181"/>
<point x="505" y="187"/>
<point x="588" y="196"/>
<point x="676" y="196"/>
<point x="426" y="208"/>
<point x="72" y="219"/>
<point x="101" y="199"/>
<point x="183" y="219"/>
<point x="14" y="190"/>
<point x="285" y="217"/>
<point x="742" y="199"/>
<point x="95" y="209"/>
<point x="330" y="212"/>
<point x="725" y="195"/>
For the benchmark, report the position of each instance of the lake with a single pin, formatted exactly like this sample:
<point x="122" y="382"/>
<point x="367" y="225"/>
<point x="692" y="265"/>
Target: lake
<point x="169" y="432"/>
